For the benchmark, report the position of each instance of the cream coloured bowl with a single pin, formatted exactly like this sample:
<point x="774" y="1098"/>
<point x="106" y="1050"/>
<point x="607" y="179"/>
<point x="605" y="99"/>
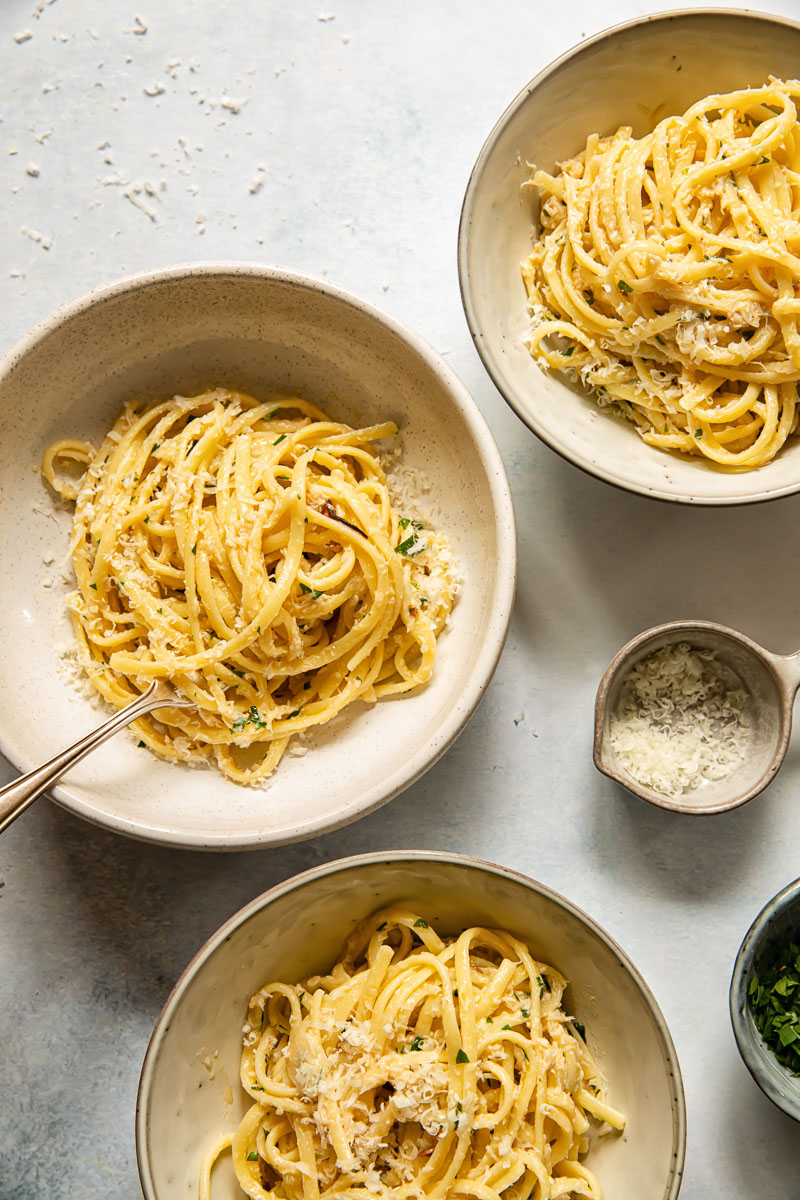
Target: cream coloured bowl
<point x="182" y="330"/>
<point x="634" y="74"/>
<point x="189" y="1094"/>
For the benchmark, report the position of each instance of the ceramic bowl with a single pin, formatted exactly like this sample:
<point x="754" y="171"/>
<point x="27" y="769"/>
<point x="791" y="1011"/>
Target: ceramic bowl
<point x="634" y="74"/>
<point x="779" y="918"/>
<point x="182" y="330"/>
<point x="189" y="1093"/>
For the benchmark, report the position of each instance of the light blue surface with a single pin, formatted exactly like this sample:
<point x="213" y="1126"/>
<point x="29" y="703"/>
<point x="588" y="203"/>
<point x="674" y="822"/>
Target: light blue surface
<point x="367" y="125"/>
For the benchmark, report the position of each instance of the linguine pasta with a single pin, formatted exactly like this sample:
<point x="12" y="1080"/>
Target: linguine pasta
<point x="421" y="1067"/>
<point x="249" y="553"/>
<point x="666" y="274"/>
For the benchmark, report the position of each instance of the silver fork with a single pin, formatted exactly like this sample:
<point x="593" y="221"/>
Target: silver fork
<point x="17" y="795"/>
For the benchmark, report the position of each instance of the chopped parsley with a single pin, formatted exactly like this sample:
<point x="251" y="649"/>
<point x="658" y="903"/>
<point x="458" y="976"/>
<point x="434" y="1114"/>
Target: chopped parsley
<point x="93" y="586"/>
<point x="774" y="998"/>
<point x="280" y="439"/>
<point x="141" y="743"/>
<point x="253" y="716"/>
<point x="763" y="160"/>
<point x="462" y="1057"/>
<point x="417" y="1043"/>
<point x="296" y="713"/>
<point x="411" y="546"/>
<point x="406" y="521"/>
<point x="569" y="352"/>
<point x="624" y="287"/>
<point x="420" y="923"/>
<point x="698" y="433"/>
<point x="580" y="1027"/>
<point x="314" y="593"/>
<point x="660" y="341"/>
<point x="194" y="548"/>
<point x="252" y="1156"/>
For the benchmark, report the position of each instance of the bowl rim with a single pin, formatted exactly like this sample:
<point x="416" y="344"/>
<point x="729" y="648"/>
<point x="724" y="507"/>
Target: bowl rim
<point x="490" y="362"/>
<point x="439" y="740"/>
<point x="737" y="998"/>
<point x="419" y="857"/>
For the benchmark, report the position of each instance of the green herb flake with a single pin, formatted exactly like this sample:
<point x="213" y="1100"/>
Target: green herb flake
<point x="764" y="160"/>
<point x="624" y="287"/>
<point x="314" y="593"/>
<point x="194" y="548"/>
<point x="93" y="586"/>
<point x="252" y="1156"/>
<point x="490" y="1020"/>
<point x="141" y="743"/>
<point x="462" y="1057"/>
<point x="660" y="341"/>
<point x="411" y="546"/>
<point x="417" y="1043"/>
<point x="420" y="923"/>
<point x="580" y="1027"/>
<point x="506" y="1027"/>
<point x="382" y="926"/>
<point x="698" y="433"/>
<point x="252" y="717"/>
<point x="296" y="713"/>
<point x="280" y="439"/>
<point x="569" y="352"/>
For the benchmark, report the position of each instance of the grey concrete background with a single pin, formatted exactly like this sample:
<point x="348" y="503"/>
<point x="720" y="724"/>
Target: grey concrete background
<point x="337" y="139"/>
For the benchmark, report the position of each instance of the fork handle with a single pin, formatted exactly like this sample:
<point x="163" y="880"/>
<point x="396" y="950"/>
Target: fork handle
<point x="17" y="795"/>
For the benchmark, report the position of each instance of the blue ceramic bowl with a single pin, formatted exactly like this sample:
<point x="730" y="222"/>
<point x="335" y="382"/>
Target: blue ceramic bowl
<point x="778" y="918"/>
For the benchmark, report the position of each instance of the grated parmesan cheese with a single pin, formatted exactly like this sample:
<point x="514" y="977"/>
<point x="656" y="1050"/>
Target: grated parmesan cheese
<point x="682" y="720"/>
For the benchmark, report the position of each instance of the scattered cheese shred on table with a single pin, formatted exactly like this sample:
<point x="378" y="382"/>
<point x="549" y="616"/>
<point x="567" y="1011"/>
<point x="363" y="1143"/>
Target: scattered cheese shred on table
<point x="681" y="720"/>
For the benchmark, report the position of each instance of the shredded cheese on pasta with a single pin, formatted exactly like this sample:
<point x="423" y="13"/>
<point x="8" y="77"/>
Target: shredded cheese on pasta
<point x="250" y="554"/>
<point x="666" y="274"/>
<point x="420" y="1066"/>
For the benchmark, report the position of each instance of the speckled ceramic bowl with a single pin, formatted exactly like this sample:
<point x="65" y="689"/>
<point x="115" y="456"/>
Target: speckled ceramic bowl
<point x="182" y="330"/>
<point x="779" y="918"/>
<point x="634" y="74"/>
<point x="189" y="1093"/>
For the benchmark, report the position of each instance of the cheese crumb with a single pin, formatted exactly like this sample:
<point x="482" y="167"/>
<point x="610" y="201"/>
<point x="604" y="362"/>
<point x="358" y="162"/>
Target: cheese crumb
<point x="682" y="720"/>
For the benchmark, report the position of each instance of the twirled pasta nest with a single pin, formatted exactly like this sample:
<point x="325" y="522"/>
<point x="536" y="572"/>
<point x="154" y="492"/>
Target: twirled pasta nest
<point x="248" y="552"/>
<point x="666" y="274"/>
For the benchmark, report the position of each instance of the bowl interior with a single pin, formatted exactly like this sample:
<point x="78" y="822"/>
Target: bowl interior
<point x="181" y="332"/>
<point x="742" y="666"/>
<point x="300" y="927"/>
<point x="779" y="919"/>
<point x="634" y="75"/>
